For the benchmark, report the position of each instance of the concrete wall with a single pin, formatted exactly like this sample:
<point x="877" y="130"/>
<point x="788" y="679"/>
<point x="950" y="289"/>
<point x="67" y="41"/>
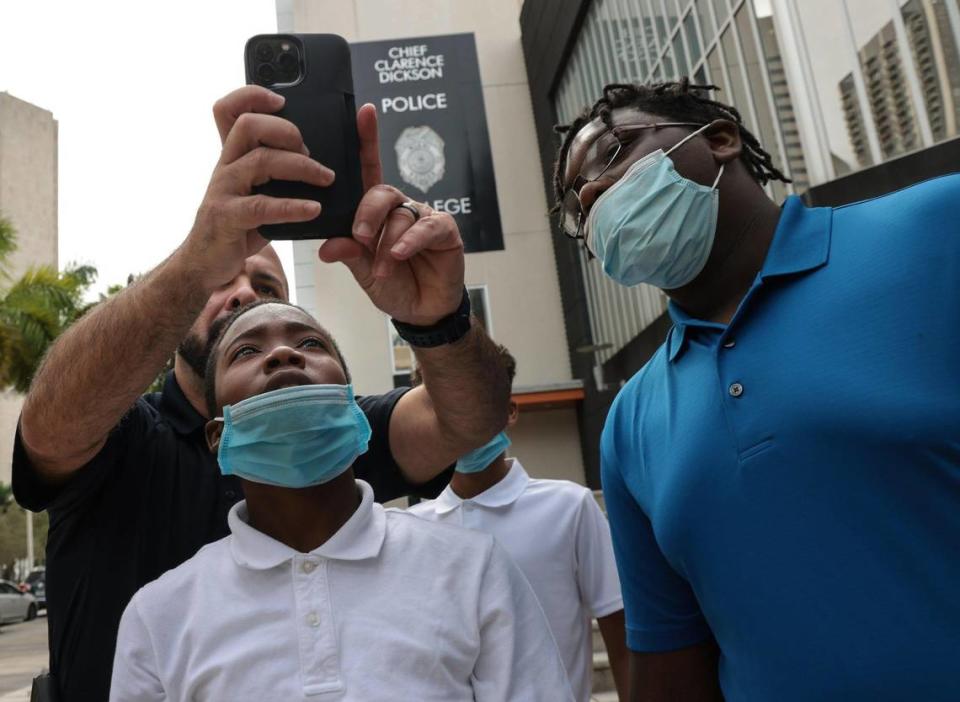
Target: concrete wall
<point x="522" y="284"/>
<point x="548" y="444"/>
<point x="28" y="198"/>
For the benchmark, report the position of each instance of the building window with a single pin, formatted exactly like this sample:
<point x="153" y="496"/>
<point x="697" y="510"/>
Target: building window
<point x="402" y="360"/>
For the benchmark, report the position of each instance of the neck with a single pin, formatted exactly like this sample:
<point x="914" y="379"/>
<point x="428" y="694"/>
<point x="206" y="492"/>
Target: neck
<point x="468" y="485"/>
<point x="191" y="384"/>
<point x="302" y="519"/>
<point x="745" y="229"/>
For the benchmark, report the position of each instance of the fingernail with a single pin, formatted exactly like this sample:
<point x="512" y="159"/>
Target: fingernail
<point x="362" y="231"/>
<point x="278" y="98"/>
<point x="305" y="150"/>
<point x="400" y="248"/>
<point x="311" y="207"/>
<point x="331" y="176"/>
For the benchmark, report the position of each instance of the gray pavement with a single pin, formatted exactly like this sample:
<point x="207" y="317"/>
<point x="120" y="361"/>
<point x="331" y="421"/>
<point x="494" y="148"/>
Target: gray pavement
<point x="23" y="654"/>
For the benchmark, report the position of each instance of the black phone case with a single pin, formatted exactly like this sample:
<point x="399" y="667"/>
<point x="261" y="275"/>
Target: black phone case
<point x="323" y="107"/>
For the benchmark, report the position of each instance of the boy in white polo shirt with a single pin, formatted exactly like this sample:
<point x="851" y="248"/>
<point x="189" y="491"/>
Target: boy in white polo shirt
<point x="556" y="533"/>
<point x="319" y="592"/>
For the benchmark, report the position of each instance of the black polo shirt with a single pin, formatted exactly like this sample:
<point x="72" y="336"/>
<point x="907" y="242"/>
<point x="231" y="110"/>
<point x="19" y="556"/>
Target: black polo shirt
<point x="145" y="504"/>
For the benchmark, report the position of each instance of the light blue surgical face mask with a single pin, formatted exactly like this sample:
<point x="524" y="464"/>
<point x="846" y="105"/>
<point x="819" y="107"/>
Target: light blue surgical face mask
<point x="653" y="225"/>
<point x="293" y="437"/>
<point x="480" y="458"/>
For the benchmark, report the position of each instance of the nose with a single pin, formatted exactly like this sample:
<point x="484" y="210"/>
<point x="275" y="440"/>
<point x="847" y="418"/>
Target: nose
<point x="591" y="191"/>
<point x="242" y="294"/>
<point x="283" y="357"/>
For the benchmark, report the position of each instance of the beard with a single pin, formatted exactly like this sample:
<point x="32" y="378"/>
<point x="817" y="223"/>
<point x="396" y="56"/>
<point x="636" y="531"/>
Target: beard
<point x="196" y="350"/>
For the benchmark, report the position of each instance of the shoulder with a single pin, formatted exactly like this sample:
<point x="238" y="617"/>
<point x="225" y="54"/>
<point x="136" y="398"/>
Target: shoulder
<point x="626" y="411"/>
<point x="375" y="404"/>
<point x="447" y="540"/>
<point x="559" y="491"/>
<point x="926" y="210"/>
<point x="176" y="590"/>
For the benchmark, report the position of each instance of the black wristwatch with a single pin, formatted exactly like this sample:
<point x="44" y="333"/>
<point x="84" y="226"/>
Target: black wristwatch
<point x="451" y="328"/>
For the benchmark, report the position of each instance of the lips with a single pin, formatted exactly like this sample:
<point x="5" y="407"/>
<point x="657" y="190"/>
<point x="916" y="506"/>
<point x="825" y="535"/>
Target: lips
<point x="286" y="379"/>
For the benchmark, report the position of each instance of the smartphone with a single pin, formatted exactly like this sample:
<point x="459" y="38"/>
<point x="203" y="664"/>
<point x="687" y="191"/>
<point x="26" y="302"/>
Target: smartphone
<point x="313" y="73"/>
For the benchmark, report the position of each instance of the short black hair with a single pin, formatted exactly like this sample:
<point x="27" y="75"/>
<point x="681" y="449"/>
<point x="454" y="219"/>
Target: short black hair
<point x="503" y="356"/>
<point x="675" y="100"/>
<point x="209" y="376"/>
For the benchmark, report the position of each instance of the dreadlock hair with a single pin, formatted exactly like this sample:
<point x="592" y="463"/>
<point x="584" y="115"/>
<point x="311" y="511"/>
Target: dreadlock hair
<point x="219" y="330"/>
<point x="676" y="100"/>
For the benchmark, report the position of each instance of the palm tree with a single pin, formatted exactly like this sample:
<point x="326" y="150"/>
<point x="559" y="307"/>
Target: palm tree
<point x="34" y="310"/>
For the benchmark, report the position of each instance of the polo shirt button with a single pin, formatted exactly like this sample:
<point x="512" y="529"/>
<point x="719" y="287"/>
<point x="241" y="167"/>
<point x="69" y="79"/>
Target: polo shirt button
<point x="313" y="619"/>
<point x="729" y="343"/>
<point x="736" y="390"/>
<point x="308" y="566"/>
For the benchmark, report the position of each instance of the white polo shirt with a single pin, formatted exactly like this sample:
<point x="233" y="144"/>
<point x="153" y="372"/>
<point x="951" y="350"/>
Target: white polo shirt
<point x="390" y="608"/>
<point x="557" y="534"/>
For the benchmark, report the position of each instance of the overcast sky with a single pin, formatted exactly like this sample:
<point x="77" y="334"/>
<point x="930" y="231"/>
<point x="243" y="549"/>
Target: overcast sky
<point x="131" y="85"/>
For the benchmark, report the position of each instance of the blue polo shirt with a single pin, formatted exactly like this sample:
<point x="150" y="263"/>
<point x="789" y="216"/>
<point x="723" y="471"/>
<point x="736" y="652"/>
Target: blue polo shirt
<point x="790" y="483"/>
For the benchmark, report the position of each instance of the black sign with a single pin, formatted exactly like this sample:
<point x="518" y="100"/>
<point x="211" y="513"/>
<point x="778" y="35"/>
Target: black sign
<point x="433" y="130"/>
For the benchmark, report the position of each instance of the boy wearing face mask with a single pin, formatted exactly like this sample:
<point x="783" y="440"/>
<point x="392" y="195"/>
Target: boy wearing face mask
<point x="557" y="535"/>
<point x="319" y="591"/>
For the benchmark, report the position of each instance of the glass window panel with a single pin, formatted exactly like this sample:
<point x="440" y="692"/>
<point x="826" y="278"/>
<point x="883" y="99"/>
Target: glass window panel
<point x="669" y="67"/>
<point x="707" y="29"/>
<point x="737" y="92"/>
<point x="693" y="42"/>
<point x="700" y="77"/>
<point x="720" y="11"/>
<point x="765" y="130"/>
<point x="716" y="74"/>
<point x="782" y="99"/>
<point x="680" y="57"/>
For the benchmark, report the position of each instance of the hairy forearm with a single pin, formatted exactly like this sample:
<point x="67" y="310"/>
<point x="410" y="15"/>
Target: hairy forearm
<point x="468" y="387"/>
<point x="96" y="370"/>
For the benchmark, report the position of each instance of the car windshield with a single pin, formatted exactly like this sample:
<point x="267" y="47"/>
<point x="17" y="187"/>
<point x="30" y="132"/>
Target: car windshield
<point x="35" y="576"/>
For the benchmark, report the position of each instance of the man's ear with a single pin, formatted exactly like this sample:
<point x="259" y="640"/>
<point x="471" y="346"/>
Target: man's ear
<point x="513" y="415"/>
<point x="724" y="139"/>
<point x="213" y="430"/>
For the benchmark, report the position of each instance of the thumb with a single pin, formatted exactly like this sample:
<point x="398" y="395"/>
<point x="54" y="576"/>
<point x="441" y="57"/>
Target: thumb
<point x="352" y="254"/>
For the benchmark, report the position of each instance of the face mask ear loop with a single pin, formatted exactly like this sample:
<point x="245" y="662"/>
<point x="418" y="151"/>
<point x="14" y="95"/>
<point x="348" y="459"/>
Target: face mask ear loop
<point x="686" y="139"/>
<point x="714" y="186"/>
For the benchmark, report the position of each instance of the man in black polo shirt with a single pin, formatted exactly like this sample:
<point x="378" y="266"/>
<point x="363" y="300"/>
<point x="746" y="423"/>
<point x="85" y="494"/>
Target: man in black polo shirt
<point x="128" y="482"/>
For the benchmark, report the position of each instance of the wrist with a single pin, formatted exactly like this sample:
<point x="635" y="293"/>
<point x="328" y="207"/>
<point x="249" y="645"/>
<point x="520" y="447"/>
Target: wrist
<point x="186" y="266"/>
<point x="438" y="332"/>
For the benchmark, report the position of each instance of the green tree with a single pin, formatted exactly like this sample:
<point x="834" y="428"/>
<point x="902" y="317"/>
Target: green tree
<point x="34" y="309"/>
<point x="13" y="534"/>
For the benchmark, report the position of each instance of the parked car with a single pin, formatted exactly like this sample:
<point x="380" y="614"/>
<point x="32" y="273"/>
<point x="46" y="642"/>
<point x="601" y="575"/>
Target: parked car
<point x="36" y="585"/>
<point x="16" y="606"/>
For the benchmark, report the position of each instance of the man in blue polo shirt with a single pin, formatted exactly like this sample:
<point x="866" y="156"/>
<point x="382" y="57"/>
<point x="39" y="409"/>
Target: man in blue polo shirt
<point x="783" y="476"/>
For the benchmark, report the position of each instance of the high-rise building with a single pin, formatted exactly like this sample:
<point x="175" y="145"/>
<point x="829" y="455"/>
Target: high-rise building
<point x="786" y="115"/>
<point x="933" y="53"/>
<point x="28" y="199"/>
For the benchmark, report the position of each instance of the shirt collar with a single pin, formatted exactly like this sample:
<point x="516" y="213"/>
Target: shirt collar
<point x="501" y="494"/>
<point x="176" y="408"/>
<point x="359" y="538"/>
<point x="801" y="243"/>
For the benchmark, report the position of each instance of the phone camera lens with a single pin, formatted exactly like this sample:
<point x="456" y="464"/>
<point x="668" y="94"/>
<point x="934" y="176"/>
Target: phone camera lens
<point x="266" y="73"/>
<point x="287" y="61"/>
<point x="265" y="52"/>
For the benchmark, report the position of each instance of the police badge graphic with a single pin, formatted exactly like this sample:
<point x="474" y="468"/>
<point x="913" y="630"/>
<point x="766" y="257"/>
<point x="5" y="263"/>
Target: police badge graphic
<point x="420" y="157"/>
